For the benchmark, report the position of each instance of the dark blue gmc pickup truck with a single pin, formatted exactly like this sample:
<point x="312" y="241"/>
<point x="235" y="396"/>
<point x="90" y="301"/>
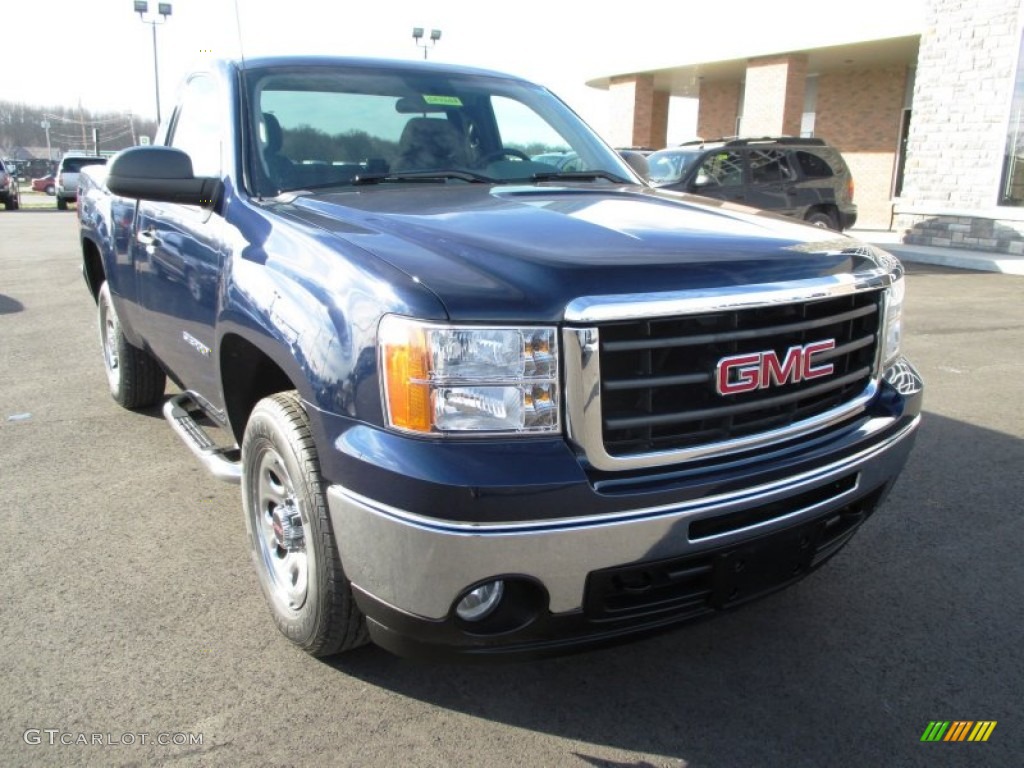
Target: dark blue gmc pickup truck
<point x="479" y="405"/>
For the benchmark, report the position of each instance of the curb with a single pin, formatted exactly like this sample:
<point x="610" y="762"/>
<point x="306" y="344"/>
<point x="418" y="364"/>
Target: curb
<point x="957" y="258"/>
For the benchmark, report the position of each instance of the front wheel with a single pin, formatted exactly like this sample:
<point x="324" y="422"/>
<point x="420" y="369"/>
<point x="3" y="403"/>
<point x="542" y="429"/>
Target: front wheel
<point x="135" y="379"/>
<point x="290" y="533"/>
<point x="62" y="204"/>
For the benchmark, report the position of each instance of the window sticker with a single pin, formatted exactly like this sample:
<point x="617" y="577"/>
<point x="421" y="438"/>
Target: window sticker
<point x="443" y="101"/>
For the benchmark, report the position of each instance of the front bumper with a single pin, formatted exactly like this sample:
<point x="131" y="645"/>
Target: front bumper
<point x="576" y="578"/>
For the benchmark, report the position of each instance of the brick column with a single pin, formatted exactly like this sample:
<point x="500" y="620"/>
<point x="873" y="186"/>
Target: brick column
<point x="773" y="100"/>
<point x="639" y="113"/>
<point x="718" y="109"/>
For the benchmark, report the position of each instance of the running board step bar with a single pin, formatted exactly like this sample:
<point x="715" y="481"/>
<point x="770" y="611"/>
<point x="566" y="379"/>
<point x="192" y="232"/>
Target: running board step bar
<point x="222" y="463"/>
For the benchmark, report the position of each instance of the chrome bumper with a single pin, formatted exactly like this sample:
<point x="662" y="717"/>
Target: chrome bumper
<point x="421" y="565"/>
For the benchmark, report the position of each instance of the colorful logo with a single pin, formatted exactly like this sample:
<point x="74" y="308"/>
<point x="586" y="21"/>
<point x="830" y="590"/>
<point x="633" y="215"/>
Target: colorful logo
<point x="958" y="730"/>
<point x="760" y="370"/>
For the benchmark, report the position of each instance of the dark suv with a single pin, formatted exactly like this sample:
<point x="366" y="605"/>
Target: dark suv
<point x="10" y="195"/>
<point x="803" y="178"/>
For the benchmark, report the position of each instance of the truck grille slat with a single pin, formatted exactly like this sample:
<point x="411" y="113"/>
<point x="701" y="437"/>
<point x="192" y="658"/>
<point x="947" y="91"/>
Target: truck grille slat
<point x="716" y="338"/>
<point x="732" y="410"/>
<point x="658" y="376"/>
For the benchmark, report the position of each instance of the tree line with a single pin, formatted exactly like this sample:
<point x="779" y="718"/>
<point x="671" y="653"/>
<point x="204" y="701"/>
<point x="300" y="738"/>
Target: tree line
<point x="69" y="128"/>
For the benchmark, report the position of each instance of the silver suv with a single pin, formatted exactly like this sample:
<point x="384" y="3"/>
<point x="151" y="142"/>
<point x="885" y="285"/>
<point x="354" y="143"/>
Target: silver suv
<point x="10" y="195"/>
<point x="67" y="176"/>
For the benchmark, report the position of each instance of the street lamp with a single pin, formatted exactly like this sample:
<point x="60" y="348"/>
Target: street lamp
<point x="45" y="125"/>
<point x="164" y="9"/>
<point x="417" y="36"/>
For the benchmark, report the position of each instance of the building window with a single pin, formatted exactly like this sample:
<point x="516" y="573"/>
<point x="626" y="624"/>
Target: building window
<point x="810" y="106"/>
<point x="1011" y="191"/>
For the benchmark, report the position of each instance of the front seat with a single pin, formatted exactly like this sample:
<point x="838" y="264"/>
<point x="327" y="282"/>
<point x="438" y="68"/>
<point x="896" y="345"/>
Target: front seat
<point x="430" y="143"/>
<point x="280" y="169"/>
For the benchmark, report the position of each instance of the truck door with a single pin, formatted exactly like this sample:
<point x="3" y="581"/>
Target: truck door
<point x="179" y="250"/>
<point x="721" y="175"/>
<point x="772" y="181"/>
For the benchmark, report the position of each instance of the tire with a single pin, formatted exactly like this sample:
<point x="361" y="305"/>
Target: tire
<point x="822" y="219"/>
<point x="62" y="204"/>
<point x="13" y="201"/>
<point x="135" y="379"/>
<point x="290" y="534"/>
<point x="50" y="190"/>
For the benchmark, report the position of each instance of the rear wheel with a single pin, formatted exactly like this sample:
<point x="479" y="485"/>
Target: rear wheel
<point x="13" y="201"/>
<point x="62" y="204"/>
<point x="822" y="219"/>
<point x="290" y="533"/>
<point x="134" y="377"/>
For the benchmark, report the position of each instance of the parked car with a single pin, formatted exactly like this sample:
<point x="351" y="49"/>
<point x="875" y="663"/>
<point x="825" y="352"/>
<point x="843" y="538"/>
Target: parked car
<point x="803" y="178"/>
<point x="67" y="177"/>
<point x="47" y="184"/>
<point x="10" y="195"/>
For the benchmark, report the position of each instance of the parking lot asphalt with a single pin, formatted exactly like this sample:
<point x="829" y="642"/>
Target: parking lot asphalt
<point x="131" y="613"/>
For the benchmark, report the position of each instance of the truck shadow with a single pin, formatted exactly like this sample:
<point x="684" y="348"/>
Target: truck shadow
<point x="918" y="619"/>
<point x="9" y="305"/>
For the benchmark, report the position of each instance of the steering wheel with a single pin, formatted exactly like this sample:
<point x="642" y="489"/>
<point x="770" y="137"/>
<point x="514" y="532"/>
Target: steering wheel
<point x="501" y="153"/>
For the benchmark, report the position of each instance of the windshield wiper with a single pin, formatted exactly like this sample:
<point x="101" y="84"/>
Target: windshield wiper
<point x="578" y="176"/>
<point x="421" y="176"/>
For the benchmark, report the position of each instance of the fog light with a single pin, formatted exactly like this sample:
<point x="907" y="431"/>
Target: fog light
<point x="480" y="602"/>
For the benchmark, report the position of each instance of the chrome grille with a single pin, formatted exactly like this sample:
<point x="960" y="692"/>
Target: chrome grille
<point x="657" y="380"/>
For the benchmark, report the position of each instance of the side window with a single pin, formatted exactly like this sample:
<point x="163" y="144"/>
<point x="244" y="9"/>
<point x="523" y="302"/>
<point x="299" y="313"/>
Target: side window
<point x="197" y="128"/>
<point x="769" y="166"/>
<point x="722" y="169"/>
<point x="522" y="129"/>
<point x="813" y="167"/>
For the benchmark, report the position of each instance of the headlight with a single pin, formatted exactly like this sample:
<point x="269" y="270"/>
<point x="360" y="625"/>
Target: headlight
<point x="442" y="378"/>
<point x="893" y="319"/>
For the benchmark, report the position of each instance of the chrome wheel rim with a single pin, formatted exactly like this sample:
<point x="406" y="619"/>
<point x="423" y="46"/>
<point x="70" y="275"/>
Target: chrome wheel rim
<point x="280" y="533"/>
<point x="108" y="338"/>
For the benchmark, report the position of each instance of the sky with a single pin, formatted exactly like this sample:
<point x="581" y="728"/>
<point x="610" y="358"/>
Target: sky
<point x="99" y="53"/>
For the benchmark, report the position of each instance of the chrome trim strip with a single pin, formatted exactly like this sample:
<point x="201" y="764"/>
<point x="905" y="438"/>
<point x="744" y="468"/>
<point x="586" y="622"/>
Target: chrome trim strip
<point x="641" y="306"/>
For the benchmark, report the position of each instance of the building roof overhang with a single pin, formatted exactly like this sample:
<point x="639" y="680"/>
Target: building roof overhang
<point x="684" y="79"/>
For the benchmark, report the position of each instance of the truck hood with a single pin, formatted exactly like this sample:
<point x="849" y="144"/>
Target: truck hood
<point x="515" y="253"/>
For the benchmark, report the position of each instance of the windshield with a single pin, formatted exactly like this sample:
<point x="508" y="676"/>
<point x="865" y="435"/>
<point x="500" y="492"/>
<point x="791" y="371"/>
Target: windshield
<point x="318" y="127"/>
<point x="669" y="165"/>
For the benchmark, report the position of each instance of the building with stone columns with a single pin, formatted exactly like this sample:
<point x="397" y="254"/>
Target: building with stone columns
<point x="928" y="114"/>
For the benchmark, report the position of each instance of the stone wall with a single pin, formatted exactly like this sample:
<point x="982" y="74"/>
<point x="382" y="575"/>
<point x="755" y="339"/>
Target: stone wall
<point x="961" y="111"/>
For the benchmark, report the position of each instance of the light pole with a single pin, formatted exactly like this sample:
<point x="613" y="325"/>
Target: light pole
<point x="46" y="127"/>
<point x="417" y="36"/>
<point x="164" y="9"/>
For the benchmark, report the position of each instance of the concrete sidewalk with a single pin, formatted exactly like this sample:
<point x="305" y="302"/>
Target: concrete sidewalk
<point x="958" y="258"/>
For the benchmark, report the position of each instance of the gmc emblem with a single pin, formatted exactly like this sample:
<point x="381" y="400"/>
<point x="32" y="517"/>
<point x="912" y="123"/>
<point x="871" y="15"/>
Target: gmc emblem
<point x="760" y="370"/>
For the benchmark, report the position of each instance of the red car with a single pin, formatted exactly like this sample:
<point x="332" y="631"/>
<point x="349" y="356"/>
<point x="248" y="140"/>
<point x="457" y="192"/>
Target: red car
<point x="47" y="184"/>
